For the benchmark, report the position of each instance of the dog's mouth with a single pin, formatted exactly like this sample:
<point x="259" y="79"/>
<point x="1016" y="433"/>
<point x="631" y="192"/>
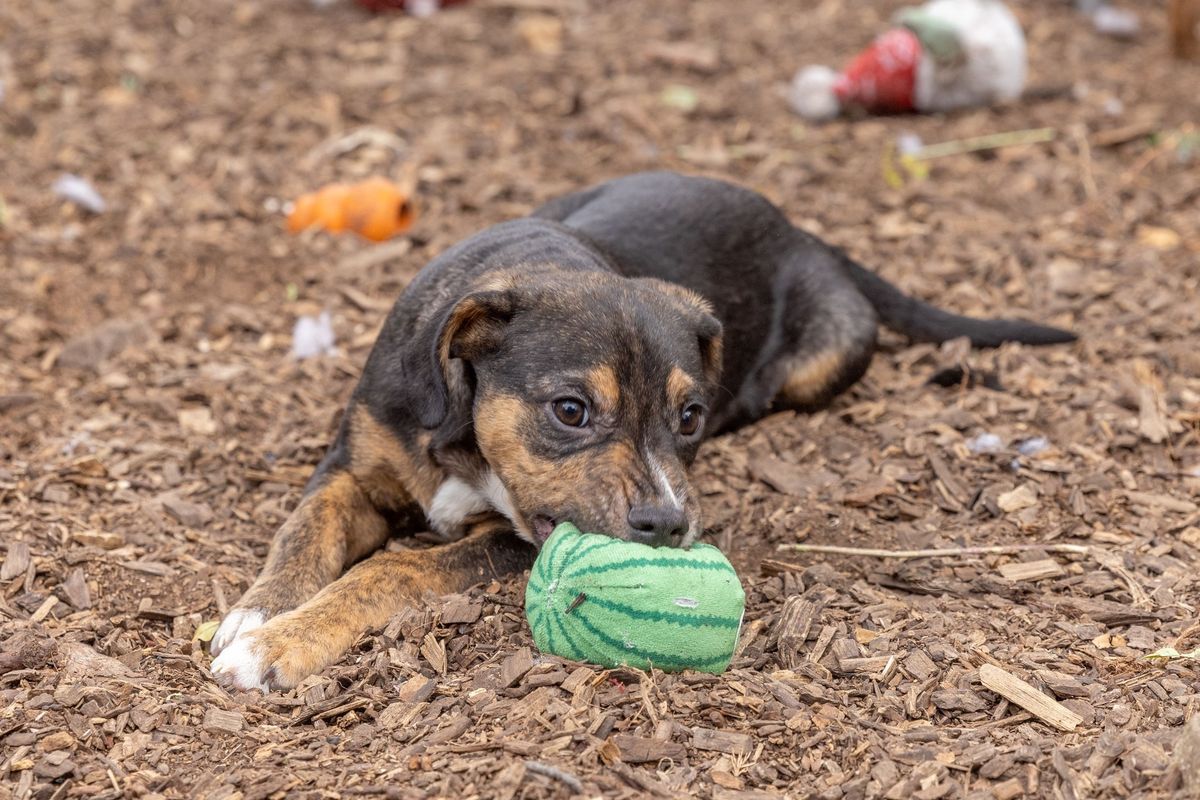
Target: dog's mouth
<point x="543" y="526"/>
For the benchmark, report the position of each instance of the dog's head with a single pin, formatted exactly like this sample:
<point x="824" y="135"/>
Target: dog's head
<point x="587" y="394"/>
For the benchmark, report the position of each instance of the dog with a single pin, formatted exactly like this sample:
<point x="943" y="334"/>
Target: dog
<point x="564" y="366"/>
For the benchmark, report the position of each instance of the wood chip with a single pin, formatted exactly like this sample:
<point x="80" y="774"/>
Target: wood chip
<point x="193" y="515"/>
<point x="780" y="475"/>
<point x="824" y="638"/>
<point x="1163" y="501"/>
<point x="958" y="700"/>
<point x="435" y="653"/>
<point x="16" y="561"/>
<point x="581" y="676"/>
<point x="216" y="719"/>
<point x="1009" y="789"/>
<point x="1062" y="685"/>
<point x="416" y="689"/>
<point x="1020" y="693"/>
<point x="1187" y="756"/>
<point x="156" y="568"/>
<point x="795" y="623"/>
<point x="102" y="539"/>
<point x="869" y="664"/>
<point x="726" y="742"/>
<point x="461" y="612"/>
<point x="80" y="662"/>
<point x="919" y="665"/>
<point x="515" y="667"/>
<point x="450" y="731"/>
<point x="75" y="587"/>
<point x="147" y="610"/>
<point x="1031" y="570"/>
<point x="954" y="488"/>
<point x="640" y="749"/>
<point x="1018" y="499"/>
<point x="44" y="609"/>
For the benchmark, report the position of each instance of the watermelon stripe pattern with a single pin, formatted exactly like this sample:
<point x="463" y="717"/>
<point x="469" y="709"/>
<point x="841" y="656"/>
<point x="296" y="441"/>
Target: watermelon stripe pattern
<point x="615" y="603"/>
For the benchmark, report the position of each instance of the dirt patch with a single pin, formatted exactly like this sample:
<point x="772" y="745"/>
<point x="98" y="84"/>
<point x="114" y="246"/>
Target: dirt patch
<point x="154" y="432"/>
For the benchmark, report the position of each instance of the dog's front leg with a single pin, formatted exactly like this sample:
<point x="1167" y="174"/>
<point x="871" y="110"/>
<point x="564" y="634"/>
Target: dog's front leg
<point x="289" y="647"/>
<point x="333" y="526"/>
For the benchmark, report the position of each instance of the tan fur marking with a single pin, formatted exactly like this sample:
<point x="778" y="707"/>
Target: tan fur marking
<point x="597" y="481"/>
<point x="809" y="379"/>
<point x="392" y="474"/>
<point x="602" y="380"/>
<point x="679" y="387"/>
<point x="497" y="422"/>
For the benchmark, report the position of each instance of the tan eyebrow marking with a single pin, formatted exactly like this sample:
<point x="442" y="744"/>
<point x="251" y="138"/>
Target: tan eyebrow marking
<point x="602" y="380"/>
<point x="679" y="386"/>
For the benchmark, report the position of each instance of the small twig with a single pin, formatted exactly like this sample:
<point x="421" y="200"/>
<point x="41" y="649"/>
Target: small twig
<point x="992" y="141"/>
<point x="1079" y="134"/>
<point x="992" y="550"/>
<point x="564" y="777"/>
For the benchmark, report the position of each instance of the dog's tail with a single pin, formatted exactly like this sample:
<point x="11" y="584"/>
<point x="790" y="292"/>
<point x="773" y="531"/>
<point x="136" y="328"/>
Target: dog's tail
<point x="922" y="322"/>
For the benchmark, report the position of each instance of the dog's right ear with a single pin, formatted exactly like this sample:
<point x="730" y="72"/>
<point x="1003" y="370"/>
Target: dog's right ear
<point x="463" y="330"/>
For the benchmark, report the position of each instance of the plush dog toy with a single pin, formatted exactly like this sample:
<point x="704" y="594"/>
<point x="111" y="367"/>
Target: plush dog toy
<point x="943" y="55"/>
<point x="617" y="603"/>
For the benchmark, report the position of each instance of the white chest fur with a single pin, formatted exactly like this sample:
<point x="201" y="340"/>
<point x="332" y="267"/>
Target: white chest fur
<point x="456" y="499"/>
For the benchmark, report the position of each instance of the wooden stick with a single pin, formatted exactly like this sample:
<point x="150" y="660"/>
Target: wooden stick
<point x="991" y="550"/>
<point x="1018" y="692"/>
<point x="1031" y="570"/>
<point x="991" y="141"/>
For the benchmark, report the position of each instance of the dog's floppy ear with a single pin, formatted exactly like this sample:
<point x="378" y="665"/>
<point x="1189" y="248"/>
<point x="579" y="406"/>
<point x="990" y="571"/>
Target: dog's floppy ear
<point x="465" y="329"/>
<point x="709" y="331"/>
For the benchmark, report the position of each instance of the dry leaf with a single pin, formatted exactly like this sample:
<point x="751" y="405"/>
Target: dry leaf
<point x="1172" y="653"/>
<point x="206" y="631"/>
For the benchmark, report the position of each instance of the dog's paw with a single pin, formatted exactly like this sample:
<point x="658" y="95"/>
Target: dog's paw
<point x="238" y="622"/>
<point x="240" y="665"/>
<point x="278" y="655"/>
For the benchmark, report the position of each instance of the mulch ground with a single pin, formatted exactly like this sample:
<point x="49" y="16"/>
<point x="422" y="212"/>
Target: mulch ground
<point x="154" y="431"/>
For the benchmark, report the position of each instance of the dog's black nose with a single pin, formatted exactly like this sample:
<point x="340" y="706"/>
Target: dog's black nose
<point x="658" y="526"/>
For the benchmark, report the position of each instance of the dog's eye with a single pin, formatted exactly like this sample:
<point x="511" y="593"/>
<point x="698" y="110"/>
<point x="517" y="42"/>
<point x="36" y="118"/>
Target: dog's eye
<point x="689" y="420"/>
<point x="571" y="412"/>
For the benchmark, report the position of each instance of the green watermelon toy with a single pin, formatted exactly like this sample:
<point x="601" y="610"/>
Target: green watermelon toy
<point x="615" y="603"/>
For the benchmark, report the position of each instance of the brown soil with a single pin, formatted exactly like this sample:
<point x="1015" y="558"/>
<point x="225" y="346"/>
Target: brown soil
<point x="154" y="432"/>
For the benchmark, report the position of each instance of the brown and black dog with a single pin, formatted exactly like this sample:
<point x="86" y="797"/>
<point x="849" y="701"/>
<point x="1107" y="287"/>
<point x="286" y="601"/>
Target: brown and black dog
<point x="565" y="366"/>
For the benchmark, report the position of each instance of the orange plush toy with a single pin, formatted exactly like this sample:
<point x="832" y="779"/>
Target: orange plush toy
<point x="376" y="209"/>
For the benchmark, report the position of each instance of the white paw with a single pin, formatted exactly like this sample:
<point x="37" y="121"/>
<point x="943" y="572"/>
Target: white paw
<point x="240" y="666"/>
<point x="239" y="622"/>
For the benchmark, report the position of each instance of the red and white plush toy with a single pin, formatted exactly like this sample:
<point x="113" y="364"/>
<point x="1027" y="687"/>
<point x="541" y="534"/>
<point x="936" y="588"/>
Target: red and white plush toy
<point x="943" y="55"/>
